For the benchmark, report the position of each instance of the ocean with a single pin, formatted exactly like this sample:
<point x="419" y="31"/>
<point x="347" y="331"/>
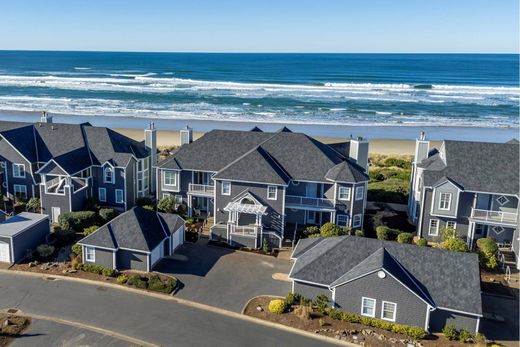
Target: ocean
<point x="447" y="90"/>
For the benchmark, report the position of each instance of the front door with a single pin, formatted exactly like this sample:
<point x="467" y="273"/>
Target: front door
<point x="55" y="211"/>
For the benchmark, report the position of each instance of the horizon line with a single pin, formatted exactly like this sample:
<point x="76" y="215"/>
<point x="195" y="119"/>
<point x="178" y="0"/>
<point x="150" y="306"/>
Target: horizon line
<point x="251" y="52"/>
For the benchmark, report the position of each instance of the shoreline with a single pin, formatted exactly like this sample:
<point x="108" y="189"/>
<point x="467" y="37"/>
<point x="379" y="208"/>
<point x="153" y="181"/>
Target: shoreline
<point x="384" y="139"/>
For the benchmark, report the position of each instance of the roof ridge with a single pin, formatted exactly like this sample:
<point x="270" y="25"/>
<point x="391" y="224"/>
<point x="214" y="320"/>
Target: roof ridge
<point x="321" y="253"/>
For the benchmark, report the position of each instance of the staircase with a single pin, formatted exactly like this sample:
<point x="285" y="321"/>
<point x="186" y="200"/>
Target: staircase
<point x="206" y="226"/>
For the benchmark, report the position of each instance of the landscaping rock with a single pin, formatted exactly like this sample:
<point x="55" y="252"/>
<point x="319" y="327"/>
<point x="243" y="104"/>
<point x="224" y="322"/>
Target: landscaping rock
<point x="259" y="308"/>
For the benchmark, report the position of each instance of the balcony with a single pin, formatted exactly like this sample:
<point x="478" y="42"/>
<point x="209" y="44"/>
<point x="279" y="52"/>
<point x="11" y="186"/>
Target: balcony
<point x="494" y="217"/>
<point x="308" y="203"/>
<point x="201" y="189"/>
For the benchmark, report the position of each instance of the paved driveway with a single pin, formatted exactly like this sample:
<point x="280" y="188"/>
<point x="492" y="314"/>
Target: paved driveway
<point x="222" y="277"/>
<point x="506" y="332"/>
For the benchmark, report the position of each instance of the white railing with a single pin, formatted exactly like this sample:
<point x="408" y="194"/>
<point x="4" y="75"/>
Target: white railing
<point x="243" y="230"/>
<point x="494" y="216"/>
<point x="305" y="201"/>
<point x="205" y="189"/>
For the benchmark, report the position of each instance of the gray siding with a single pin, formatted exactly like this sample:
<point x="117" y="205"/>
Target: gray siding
<point x="311" y="291"/>
<point x="54" y="200"/>
<point x="11" y="156"/>
<point x="131" y="184"/>
<point x="410" y="309"/>
<point x="119" y="183"/>
<point x="103" y="257"/>
<point x="447" y="187"/>
<point x="242" y="241"/>
<point x="30" y="239"/>
<point x="439" y="318"/>
<point x="131" y="260"/>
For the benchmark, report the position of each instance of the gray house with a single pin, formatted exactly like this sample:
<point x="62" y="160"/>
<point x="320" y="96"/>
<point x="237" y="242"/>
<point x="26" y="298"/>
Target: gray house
<point x="258" y="185"/>
<point x="137" y="239"/>
<point x="472" y="187"/>
<point x="405" y="284"/>
<point x="21" y="233"/>
<point x="65" y="164"/>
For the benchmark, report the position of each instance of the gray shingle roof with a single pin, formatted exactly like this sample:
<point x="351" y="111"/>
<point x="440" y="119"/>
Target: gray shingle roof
<point x="74" y="147"/>
<point x="450" y="279"/>
<point x="138" y="229"/>
<point x="476" y="166"/>
<point x="285" y="154"/>
<point x="346" y="172"/>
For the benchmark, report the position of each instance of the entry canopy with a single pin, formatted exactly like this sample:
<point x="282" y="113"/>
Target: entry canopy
<point x="245" y="208"/>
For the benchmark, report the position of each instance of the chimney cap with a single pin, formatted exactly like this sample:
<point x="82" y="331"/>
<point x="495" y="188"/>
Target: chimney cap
<point x="422" y="135"/>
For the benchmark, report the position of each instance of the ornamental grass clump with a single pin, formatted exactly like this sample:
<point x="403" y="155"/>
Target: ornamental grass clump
<point x="277" y="306"/>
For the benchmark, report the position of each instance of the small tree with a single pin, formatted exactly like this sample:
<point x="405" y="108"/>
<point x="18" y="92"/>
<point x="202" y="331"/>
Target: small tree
<point x="34" y="204"/>
<point x="167" y="204"/>
<point x="487" y="253"/>
<point x="455" y="244"/>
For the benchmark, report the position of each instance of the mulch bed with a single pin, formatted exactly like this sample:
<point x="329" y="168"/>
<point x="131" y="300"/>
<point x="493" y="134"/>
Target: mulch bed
<point x="335" y="328"/>
<point x="12" y="326"/>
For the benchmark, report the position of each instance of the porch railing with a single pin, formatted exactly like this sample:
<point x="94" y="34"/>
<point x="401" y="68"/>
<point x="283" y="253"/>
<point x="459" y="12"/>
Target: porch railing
<point x="306" y="201"/>
<point x="243" y="230"/>
<point x="494" y="216"/>
<point x="204" y="189"/>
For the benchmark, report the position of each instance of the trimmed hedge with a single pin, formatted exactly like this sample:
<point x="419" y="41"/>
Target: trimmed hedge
<point x="107" y="214"/>
<point x="77" y="220"/>
<point x="413" y="332"/>
<point x="405" y="238"/>
<point x="98" y="269"/>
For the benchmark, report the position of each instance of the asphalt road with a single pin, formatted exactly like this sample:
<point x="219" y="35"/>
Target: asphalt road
<point x="156" y="321"/>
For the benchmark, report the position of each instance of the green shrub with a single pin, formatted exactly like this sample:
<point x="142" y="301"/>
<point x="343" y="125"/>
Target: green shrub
<point x="45" y="250"/>
<point x="383" y="232"/>
<point x="34" y="204"/>
<point x="90" y="230"/>
<point x="155" y="284"/>
<point x="170" y="285"/>
<point x="108" y="272"/>
<point x="277" y="306"/>
<point x="311" y="230"/>
<point x="448" y="233"/>
<point x="396" y="162"/>
<point x="290" y="299"/>
<point x="321" y="322"/>
<point x="359" y="233"/>
<point x="137" y="281"/>
<point x="322" y="303"/>
<point x="405" y="238"/>
<point x="334" y="313"/>
<point x="77" y="249"/>
<point x="421" y="242"/>
<point x="455" y="244"/>
<point x="376" y="175"/>
<point x="190" y="220"/>
<point x="465" y="336"/>
<point x="76" y="220"/>
<point x="122" y="279"/>
<point x="107" y="214"/>
<point x="167" y="204"/>
<point x="98" y="269"/>
<point x="480" y="339"/>
<point x="487" y="253"/>
<point x="450" y="332"/>
<point x="149" y="207"/>
<point x="64" y="237"/>
<point x="329" y="230"/>
<point x="390" y="190"/>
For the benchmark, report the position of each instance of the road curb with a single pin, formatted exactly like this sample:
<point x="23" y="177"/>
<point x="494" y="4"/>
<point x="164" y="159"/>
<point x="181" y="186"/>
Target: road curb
<point x="185" y="302"/>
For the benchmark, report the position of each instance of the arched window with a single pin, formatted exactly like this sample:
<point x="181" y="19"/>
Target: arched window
<point x="108" y="176"/>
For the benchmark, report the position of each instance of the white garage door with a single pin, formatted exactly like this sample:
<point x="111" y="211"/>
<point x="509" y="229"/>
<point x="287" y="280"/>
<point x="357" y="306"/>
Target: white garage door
<point x="177" y="238"/>
<point x="5" y="255"/>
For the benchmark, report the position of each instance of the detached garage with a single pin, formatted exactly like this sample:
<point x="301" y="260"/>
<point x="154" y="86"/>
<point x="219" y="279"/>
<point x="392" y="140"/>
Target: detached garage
<point x="135" y="240"/>
<point x="20" y="233"/>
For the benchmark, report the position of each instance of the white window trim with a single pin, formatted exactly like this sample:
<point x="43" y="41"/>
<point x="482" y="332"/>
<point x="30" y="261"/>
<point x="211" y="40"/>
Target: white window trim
<point x="362" y="306"/>
<point x="17" y="175"/>
<point x="360" y="193"/>
<point x="454" y="225"/>
<point x="165" y="195"/>
<point x="347" y="191"/>
<point x="222" y="188"/>
<point x="178" y="199"/>
<point x="24" y="190"/>
<point x="436" y="228"/>
<point x="93" y="258"/>
<point x="275" y="193"/>
<point x="383" y="310"/>
<point x="104" y="190"/>
<point x="174" y="184"/>
<point x="449" y="201"/>
<point x="354" y="224"/>
<point x="122" y="201"/>
<point x="342" y="218"/>
<point x="112" y="171"/>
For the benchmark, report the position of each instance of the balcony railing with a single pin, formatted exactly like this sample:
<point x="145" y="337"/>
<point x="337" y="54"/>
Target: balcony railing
<point x="243" y="230"/>
<point x="494" y="216"/>
<point x="201" y="189"/>
<point x="305" y="201"/>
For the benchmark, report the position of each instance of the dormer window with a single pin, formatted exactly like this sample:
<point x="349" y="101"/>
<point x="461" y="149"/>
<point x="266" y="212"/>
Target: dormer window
<point x="108" y="175"/>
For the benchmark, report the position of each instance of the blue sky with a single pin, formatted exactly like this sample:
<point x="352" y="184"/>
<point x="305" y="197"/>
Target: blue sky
<point x="265" y="26"/>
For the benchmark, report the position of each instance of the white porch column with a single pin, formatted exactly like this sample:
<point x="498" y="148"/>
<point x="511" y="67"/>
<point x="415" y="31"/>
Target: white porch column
<point x="471" y="234"/>
<point x="189" y="205"/>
